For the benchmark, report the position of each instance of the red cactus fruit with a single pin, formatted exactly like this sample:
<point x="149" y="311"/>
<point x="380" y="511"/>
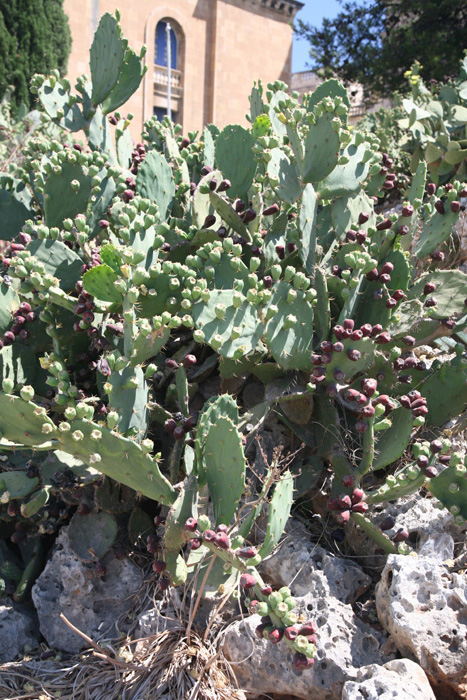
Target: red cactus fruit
<point x="343" y="517"/>
<point x="266" y="590"/>
<point x="159" y="566"/>
<point x="247" y="552"/>
<point x="246" y="580"/>
<point x="191" y="525"/>
<point x="291" y="633"/>
<point x="276" y="635"/>
<point x="302" y="662"/>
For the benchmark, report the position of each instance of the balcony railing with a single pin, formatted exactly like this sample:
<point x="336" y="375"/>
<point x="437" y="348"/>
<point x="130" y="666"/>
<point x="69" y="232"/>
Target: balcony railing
<point x="161" y="80"/>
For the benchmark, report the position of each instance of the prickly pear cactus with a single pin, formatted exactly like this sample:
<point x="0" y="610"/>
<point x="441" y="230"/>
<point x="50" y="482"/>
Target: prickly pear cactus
<point x="176" y="264"/>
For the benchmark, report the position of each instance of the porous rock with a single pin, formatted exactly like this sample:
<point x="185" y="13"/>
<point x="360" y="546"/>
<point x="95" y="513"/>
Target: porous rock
<point x="344" y="643"/>
<point x="400" y="679"/>
<point x="431" y="530"/>
<point x="93" y="605"/>
<point x="306" y="567"/>
<point x="424" y="608"/>
<point x="18" y="628"/>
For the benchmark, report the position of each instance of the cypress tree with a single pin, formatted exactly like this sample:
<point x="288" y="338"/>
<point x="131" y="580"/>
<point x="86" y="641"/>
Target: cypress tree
<point x="34" y="38"/>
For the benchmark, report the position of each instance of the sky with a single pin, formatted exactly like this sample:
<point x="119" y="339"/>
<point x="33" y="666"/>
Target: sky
<point x="313" y="13"/>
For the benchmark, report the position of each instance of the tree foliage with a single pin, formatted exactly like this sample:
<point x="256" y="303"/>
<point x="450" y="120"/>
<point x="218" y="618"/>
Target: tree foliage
<point x="34" y="38"/>
<point x="376" y="41"/>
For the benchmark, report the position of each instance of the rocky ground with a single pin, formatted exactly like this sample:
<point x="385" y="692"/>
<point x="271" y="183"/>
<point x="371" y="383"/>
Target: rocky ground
<point x="388" y="627"/>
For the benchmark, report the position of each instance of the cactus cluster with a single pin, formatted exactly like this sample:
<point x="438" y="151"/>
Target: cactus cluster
<point x="138" y="271"/>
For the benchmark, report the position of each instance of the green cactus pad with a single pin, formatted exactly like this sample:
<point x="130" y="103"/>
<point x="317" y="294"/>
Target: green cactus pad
<point x="390" y="444"/>
<point x="279" y="512"/>
<point x="16" y="484"/>
<point x="234" y="158"/>
<point x="59" y="261"/>
<point x="92" y="535"/>
<point x="58" y="461"/>
<point x="446" y="392"/>
<point x="131" y="73"/>
<point x="228" y="215"/>
<point x="307" y="223"/>
<point x="322" y="147"/>
<point x="350" y="368"/>
<point x="346" y="209"/>
<point x="450" y="487"/>
<point x="244" y="317"/>
<point x="60" y="199"/>
<point x="37" y="501"/>
<point x="175" y="534"/>
<point x="225" y="468"/>
<point x="140" y="525"/>
<point x="21" y="422"/>
<point x="155" y="182"/>
<point x="291" y="347"/>
<point x="348" y="178"/>
<point x="450" y="292"/>
<point x="100" y="282"/>
<point x="436" y="230"/>
<point x="130" y="402"/>
<point x="107" y="53"/>
<point x="55" y="101"/>
<point x="284" y="176"/>
<point x="9" y="302"/>
<point x="223" y="405"/>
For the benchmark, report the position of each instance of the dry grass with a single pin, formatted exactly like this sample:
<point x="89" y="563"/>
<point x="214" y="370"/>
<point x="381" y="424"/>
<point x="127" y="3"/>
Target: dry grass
<point x="163" y="667"/>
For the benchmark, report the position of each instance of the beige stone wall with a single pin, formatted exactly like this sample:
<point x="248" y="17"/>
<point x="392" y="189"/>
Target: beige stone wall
<point x="224" y="46"/>
<point x="253" y="42"/>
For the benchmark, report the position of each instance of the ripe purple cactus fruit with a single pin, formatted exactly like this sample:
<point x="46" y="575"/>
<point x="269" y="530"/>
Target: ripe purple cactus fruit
<point x="387" y="523"/>
<point x="356" y="335"/>
<point x="407" y="210"/>
<point x="431" y="188"/>
<point x="430" y="472"/>
<point x="280" y="250"/>
<point x="361" y="507"/>
<point x="209" y="536"/>
<point x="343" y="501"/>
<point x="159" y="566"/>
<point x="349" y="324"/>
<point x="206" y="169"/>
<point x="383" y="338"/>
<point x="276" y="635"/>
<point x="403" y="230"/>
<point x="350" y="236"/>
<point x="431" y="302"/>
<point x="307" y="629"/>
<point x="422" y="461"/>
<point x="247" y="552"/>
<point x="388" y="185"/>
<point x="405" y="401"/>
<point x="246" y="580"/>
<point x="369" y="386"/>
<point x="343" y="517"/>
<point x="439" y="206"/>
<point x="267" y="281"/>
<point x="103" y="224"/>
<point x="361" y="236"/>
<point x="266" y="590"/>
<point x="249" y="215"/>
<point x="437" y="256"/>
<point x="384" y="225"/>
<point x="338" y="332"/>
<point x="224" y="186"/>
<point x="209" y="221"/>
<point x="339" y="375"/>
<point x="363" y="217"/>
<point x="270" y="211"/>
<point x="191" y="525"/>
<point x="337" y="347"/>
<point x="372" y="275"/>
<point x="194" y="543"/>
<point x="354" y="355"/>
<point x="291" y="633"/>
<point x="222" y="540"/>
<point x="408" y="340"/>
<point x="357" y="495"/>
<point x="401" y="535"/>
<point x="260" y="629"/>
<point x="399" y="294"/>
<point x="429" y="288"/>
<point x="302" y="662"/>
<point x="455" y="207"/>
<point x="368" y="411"/>
<point x="436" y="446"/>
<point x="179" y="433"/>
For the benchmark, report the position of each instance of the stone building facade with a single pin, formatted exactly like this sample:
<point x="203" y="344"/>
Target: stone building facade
<point x="218" y="49"/>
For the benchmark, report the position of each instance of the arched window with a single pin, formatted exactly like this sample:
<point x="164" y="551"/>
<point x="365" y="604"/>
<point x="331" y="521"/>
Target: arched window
<point x="160" y="53"/>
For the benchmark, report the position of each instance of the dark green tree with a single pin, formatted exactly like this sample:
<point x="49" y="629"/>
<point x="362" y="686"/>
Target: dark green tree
<point x="34" y="38"/>
<point x="376" y="41"/>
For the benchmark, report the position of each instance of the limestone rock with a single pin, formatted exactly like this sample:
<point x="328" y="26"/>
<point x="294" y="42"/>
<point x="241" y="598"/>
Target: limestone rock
<point x="93" y="605"/>
<point x="18" y="627"/>
<point x="344" y="642"/>
<point x="400" y="679"/>
<point x="308" y="568"/>
<point x="424" y="608"/>
<point x="432" y="530"/>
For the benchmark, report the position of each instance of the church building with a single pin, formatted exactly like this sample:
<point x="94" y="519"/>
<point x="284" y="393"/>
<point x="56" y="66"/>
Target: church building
<point x="216" y="49"/>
